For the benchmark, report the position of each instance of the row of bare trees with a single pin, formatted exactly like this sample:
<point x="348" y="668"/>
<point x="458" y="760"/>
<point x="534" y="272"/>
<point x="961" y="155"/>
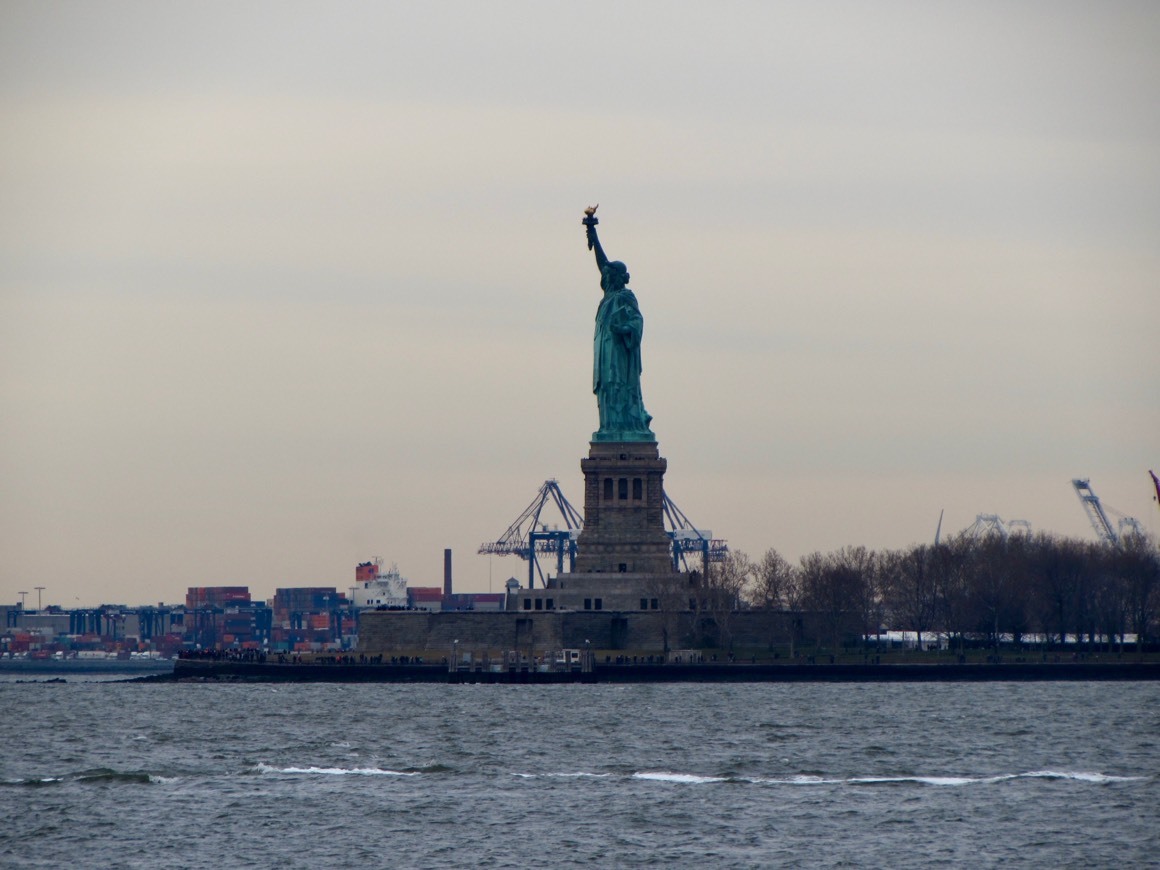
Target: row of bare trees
<point x="973" y="590"/>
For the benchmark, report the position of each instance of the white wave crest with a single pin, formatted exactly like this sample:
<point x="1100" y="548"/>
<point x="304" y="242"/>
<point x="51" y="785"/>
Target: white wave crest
<point x="925" y="780"/>
<point x="578" y="775"/>
<point x="687" y="778"/>
<point x="947" y="780"/>
<point x="811" y="779"/>
<point x="334" y="771"/>
<point x="1082" y="776"/>
<point x="800" y="779"/>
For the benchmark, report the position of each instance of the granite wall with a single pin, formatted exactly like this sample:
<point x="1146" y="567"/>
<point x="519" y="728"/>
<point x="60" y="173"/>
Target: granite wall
<point x="429" y="634"/>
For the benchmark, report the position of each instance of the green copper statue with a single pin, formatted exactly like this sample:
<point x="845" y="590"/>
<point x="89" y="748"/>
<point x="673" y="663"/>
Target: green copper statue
<point x="616" y="350"/>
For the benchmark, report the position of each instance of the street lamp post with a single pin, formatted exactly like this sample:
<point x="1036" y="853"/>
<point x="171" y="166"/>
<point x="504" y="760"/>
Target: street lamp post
<point x="38" y="589"/>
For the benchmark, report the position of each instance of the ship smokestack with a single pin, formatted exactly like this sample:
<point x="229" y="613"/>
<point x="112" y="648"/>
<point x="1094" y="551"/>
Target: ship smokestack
<point x="447" y="573"/>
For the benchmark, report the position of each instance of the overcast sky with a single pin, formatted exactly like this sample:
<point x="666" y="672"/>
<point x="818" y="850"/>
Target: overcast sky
<point x="286" y="287"/>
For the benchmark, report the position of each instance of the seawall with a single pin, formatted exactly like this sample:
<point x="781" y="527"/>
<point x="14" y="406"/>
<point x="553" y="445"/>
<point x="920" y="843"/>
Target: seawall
<point x="192" y="669"/>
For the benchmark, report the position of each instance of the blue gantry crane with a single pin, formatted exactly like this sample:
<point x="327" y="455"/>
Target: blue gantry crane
<point x="688" y="539"/>
<point x="530" y="536"/>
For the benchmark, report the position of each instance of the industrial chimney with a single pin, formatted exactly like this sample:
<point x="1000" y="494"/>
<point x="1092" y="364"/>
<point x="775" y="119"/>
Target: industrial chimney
<point x="447" y="573"/>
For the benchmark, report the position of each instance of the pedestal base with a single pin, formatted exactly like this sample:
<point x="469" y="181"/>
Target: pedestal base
<point x="624" y="528"/>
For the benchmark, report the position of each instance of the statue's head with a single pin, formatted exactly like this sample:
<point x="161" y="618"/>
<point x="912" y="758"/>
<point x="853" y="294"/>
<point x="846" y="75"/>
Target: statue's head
<point x="614" y="276"/>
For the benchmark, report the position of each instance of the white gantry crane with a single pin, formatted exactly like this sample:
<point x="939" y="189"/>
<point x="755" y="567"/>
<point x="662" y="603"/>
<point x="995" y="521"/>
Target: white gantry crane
<point x="1098" y="517"/>
<point x="993" y="524"/>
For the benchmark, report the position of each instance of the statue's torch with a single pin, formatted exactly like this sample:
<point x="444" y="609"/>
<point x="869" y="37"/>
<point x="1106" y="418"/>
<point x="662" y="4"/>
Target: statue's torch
<point x="590" y="221"/>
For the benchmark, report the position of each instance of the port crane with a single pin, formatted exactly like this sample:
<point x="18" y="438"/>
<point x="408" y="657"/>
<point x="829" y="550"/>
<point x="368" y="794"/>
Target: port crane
<point x="1098" y="516"/>
<point x="993" y="524"/>
<point x="530" y="536"/>
<point x="687" y="539"/>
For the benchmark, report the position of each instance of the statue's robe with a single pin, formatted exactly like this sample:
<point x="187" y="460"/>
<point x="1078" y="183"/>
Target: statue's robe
<point x="616" y="365"/>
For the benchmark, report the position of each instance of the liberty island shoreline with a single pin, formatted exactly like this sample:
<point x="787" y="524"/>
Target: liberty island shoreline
<point x="353" y="671"/>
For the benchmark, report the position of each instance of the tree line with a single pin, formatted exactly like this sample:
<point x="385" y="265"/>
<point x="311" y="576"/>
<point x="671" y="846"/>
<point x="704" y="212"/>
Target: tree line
<point x="973" y="591"/>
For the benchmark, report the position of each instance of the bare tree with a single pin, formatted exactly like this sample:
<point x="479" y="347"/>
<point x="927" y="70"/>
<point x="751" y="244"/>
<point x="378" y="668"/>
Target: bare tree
<point x="1138" y="564"/>
<point x="729" y="582"/>
<point x="777" y="592"/>
<point x="1058" y="568"/>
<point x="774" y="579"/>
<point x="909" y="583"/>
<point x="1110" y="600"/>
<point x="862" y="567"/>
<point x="838" y="588"/>
<point x="816" y="597"/>
<point x="983" y="588"/>
<point x="999" y="574"/>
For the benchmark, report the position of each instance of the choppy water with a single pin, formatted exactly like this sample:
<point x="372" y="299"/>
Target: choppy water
<point x="902" y="775"/>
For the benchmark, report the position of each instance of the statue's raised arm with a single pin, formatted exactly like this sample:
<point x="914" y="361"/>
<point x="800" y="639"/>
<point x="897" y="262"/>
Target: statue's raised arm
<point x="590" y="221"/>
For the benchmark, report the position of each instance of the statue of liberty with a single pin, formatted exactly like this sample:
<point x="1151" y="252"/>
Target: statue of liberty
<point x="616" y="350"/>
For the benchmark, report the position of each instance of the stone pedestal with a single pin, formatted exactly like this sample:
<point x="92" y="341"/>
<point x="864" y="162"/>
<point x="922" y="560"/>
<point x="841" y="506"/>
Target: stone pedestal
<point x="624" y="525"/>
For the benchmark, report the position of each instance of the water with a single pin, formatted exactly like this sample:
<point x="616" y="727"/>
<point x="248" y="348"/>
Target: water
<point x="105" y="774"/>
